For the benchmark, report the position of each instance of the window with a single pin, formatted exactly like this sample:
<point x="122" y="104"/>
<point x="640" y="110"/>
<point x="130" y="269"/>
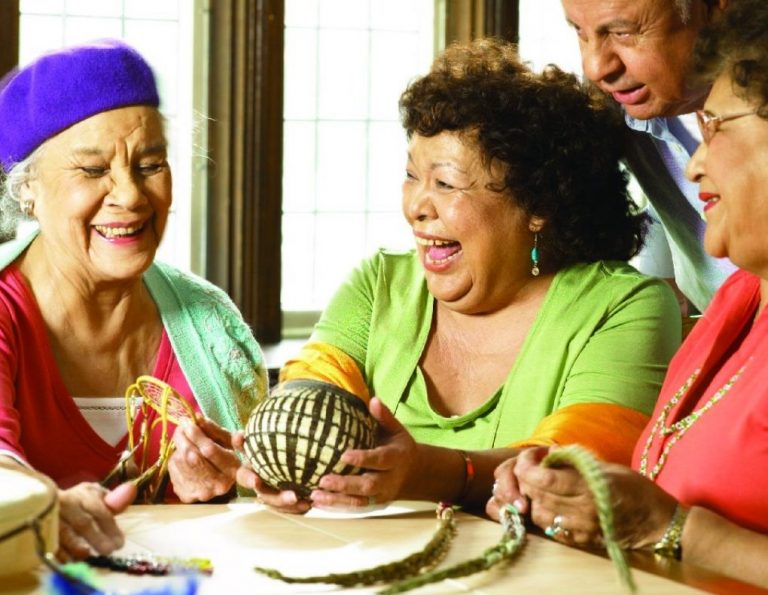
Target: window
<point x="546" y="38"/>
<point x="163" y="31"/>
<point x="346" y="64"/>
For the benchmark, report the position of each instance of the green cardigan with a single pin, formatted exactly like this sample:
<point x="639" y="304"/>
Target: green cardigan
<point x="215" y="348"/>
<point x="604" y="334"/>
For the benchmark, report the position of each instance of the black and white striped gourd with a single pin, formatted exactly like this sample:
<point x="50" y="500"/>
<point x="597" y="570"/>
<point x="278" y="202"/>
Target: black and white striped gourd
<point x="298" y="434"/>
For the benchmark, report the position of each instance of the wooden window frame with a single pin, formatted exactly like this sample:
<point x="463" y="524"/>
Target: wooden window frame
<point x="245" y="135"/>
<point x="468" y="19"/>
<point x="9" y="33"/>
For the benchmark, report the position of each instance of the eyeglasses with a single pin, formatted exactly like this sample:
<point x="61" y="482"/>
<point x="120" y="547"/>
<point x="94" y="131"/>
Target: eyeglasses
<point x="709" y="124"/>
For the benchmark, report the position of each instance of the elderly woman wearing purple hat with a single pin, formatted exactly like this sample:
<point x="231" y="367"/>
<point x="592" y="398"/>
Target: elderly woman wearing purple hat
<point x="85" y="310"/>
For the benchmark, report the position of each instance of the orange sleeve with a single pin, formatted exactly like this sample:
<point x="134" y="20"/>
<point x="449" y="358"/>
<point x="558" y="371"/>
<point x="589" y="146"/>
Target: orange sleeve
<point x="609" y="431"/>
<point x="323" y="361"/>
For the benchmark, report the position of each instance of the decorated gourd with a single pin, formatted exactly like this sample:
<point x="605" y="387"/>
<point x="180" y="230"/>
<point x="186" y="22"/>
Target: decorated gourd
<point x="299" y="433"/>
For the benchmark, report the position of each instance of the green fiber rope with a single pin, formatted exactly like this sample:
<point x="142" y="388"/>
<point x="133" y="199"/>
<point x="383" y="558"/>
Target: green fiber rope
<point x="427" y="558"/>
<point x="586" y="464"/>
<point x="417" y="569"/>
<point x="511" y="543"/>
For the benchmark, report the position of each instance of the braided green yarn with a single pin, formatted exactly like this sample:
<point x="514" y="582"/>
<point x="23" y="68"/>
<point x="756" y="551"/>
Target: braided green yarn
<point x="427" y="558"/>
<point x="511" y="543"/>
<point x="586" y="464"/>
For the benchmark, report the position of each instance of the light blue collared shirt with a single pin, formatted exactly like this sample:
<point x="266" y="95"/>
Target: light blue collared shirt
<point x="677" y="250"/>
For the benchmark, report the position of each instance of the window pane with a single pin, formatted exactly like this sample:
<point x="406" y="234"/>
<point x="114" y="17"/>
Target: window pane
<point x="298" y="262"/>
<point x="153" y="9"/>
<point x="388" y="153"/>
<point x="102" y="8"/>
<point x="158" y="42"/>
<point x="299" y="167"/>
<point x="84" y="29"/>
<point x="387" y="230"/>
<point x="546" y="38"/>
<point x="344" y="75"/>
<point x="41" y="6"/>
<point x="300" y="74"/>
<point x="344" y="13"/>
<point x="301" y="13"/>
<point x="39" y="34"/>
<point x="339" y="246"/>
<point x="392" y="62"/>
<point x="341" y="166"/>
<point x="398" y="15"/>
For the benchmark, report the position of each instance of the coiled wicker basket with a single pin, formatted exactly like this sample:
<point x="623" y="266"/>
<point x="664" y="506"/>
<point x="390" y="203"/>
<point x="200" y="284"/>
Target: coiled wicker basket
<point x="299" y="433"/>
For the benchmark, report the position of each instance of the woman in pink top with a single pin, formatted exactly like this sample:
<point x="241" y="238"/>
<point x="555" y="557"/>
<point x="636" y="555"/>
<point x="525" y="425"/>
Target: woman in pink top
<point x="698" y="490"/>
<point x="85" y="310"/>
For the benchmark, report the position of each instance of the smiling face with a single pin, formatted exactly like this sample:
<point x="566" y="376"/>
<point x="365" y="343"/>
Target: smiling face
<point x="474" y="243"/>
<point x="639" y="52"/>
<point x="730" y="170"/>
<point x="101" y="192"/>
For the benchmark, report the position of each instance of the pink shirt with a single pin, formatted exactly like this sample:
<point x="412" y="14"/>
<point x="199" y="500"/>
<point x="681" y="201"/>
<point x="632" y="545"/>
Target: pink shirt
<point x="720" y="462"/>
<point x="39" y="420"/>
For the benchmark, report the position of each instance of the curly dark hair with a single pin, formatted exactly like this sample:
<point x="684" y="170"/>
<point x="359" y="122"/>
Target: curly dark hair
<point x="737" y="44"/>
<point x="560" y="144"/>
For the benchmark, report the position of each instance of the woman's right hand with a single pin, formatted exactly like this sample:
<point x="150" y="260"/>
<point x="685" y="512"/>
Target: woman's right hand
<point x="506" y="490"/>
<point x="285" y="501"/>
<point x="87" y="519"/>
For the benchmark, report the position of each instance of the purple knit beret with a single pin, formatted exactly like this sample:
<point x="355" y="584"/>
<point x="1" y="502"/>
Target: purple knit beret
<point x="65" y="87"/>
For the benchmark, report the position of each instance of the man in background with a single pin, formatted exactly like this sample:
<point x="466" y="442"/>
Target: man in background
<point x="639" y="53"/>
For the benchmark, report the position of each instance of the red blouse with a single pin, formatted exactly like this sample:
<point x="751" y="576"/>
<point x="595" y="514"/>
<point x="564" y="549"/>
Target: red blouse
<point x="721" y="461"/>
<point x="39" y="420"/>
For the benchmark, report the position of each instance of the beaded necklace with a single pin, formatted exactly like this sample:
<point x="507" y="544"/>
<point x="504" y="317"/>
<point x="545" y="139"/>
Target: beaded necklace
<point x="679" y="428"/>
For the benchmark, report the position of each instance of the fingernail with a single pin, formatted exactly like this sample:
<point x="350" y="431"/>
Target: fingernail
<point x="519" y="504"/>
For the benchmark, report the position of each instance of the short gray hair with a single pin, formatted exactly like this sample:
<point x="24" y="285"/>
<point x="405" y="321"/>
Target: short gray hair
<point x="683" y="8"/>
<point x="10" y="193"/>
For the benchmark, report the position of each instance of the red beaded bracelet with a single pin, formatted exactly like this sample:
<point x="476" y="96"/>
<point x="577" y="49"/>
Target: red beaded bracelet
<point x="469" y="475"/>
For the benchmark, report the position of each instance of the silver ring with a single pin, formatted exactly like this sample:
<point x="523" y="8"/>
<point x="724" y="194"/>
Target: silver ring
<point x="556" y="528"/>
<point x="495" y="488"/>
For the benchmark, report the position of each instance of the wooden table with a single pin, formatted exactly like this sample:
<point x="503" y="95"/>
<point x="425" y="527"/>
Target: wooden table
<point x="239" y="535"/>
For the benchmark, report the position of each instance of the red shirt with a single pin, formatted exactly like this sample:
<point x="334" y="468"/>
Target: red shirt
<point x="39" y="420"/>
<point x="720" y="463"/>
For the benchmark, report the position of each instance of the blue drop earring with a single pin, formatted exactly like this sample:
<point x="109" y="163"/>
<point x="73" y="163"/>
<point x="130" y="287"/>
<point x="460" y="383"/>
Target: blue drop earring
<point x="535" y="255"/>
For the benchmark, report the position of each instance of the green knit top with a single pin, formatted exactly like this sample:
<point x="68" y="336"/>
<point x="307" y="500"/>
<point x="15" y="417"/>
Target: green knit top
<point x="604" y="334"/>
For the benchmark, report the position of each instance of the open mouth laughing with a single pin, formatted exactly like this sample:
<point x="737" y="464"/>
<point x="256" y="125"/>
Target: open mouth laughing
<point x="439" y="251"/>
<point x="117" y="232"/>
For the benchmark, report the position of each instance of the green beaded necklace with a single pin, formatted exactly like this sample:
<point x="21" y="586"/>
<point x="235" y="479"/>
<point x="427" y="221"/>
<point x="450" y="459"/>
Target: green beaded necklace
<point x="679" y="428"/>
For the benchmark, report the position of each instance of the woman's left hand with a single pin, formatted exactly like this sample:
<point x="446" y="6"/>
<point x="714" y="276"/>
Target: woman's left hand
<point x="387" y="468"/>
<point x="202" y="466"/>
<point x="641" y="509"/>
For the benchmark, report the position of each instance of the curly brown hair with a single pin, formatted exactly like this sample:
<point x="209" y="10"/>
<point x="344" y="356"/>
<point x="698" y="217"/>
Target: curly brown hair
<point x="560" y="144"/>
<point x="737" y="44"/>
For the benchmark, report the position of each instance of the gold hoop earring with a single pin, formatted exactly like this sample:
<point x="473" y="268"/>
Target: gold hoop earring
<point x="28" y="208"/>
